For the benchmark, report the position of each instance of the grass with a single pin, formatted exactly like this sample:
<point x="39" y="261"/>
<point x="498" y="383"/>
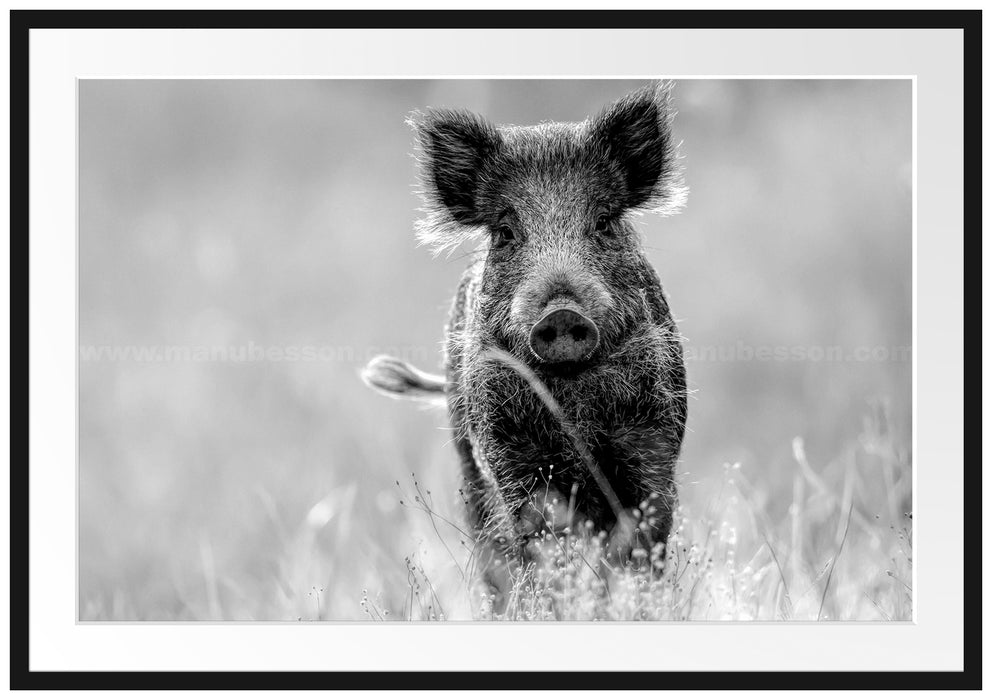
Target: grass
<point x="828" y="559"/>
<point x="828" y="541"/>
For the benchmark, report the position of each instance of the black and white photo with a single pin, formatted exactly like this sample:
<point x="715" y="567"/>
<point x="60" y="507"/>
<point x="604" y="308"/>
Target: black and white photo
<point x="503" y="349"/>
<point x="674" y="382"/>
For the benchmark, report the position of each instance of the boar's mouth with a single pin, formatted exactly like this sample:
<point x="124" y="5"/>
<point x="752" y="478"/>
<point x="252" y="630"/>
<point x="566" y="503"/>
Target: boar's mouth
<point x="565" y="369"/>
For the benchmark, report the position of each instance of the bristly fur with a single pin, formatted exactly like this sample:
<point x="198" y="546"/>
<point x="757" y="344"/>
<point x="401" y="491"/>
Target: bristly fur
<point x="462" y="158"/>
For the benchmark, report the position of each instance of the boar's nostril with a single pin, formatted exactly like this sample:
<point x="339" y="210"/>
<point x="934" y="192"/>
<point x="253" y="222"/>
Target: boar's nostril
<point x="563" y="335"/>
<point x="547" y="334"/>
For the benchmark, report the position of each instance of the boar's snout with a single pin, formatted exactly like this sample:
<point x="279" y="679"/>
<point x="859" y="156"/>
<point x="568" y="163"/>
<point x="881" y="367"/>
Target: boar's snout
<point x="563" y="335"/>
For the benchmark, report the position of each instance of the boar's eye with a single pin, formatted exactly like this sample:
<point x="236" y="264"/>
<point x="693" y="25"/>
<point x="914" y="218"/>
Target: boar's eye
<point x="603" y="224"/>
<point x="502" y="235"/>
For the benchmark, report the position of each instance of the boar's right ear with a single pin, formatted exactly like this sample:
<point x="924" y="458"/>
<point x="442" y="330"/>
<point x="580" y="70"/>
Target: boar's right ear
<point x="456" y="151"/>
<point x="633" y="139"/>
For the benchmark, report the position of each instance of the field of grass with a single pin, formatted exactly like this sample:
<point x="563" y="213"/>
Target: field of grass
<point x="830" y="559"/>
<point x="830" y="556"/>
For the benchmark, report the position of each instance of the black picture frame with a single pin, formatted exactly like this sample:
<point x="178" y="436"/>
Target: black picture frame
<point x="21" y="22"/>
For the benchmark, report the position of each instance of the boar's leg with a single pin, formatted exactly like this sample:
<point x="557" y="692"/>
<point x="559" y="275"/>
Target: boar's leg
<point x="641" y="461"/>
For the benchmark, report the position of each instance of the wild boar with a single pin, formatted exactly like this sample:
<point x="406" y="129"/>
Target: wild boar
<point x="563" y="366"/>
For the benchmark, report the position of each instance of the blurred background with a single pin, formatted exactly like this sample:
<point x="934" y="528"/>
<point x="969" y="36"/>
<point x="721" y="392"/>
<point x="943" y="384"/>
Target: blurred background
<point x="222" y="219"/>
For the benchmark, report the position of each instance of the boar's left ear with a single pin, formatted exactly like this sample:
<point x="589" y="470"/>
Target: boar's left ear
<point x="456" y="152"/>
<point x="633" y="137"/>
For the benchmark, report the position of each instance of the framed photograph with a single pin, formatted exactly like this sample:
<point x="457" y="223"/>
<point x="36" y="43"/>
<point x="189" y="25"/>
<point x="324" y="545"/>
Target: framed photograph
<point x="495" y="349"/>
